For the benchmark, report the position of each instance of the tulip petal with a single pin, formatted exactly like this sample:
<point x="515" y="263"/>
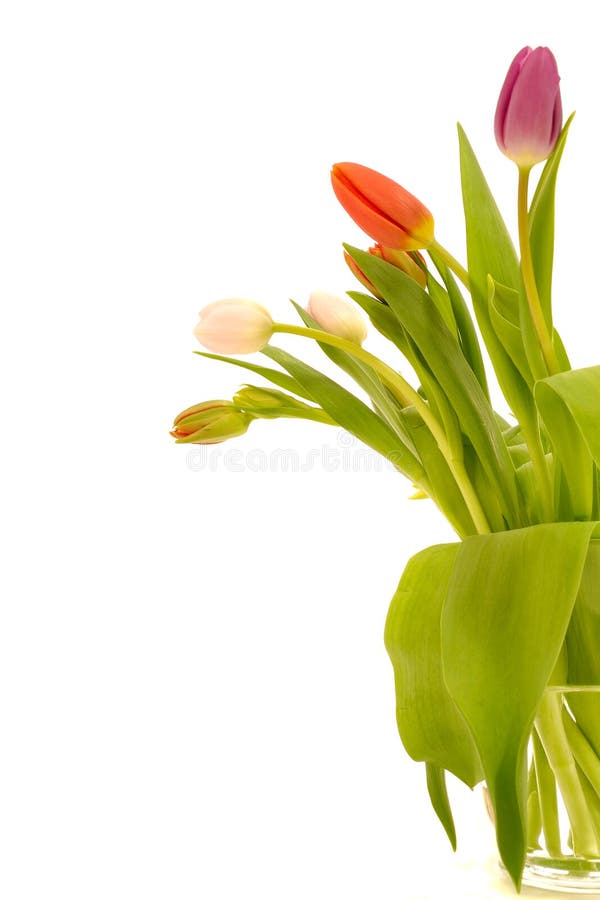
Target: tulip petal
<point x="506" y="92"/>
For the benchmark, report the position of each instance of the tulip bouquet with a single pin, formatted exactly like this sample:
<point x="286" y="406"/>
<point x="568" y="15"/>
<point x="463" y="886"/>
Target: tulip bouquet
<point x="494" y="638"/>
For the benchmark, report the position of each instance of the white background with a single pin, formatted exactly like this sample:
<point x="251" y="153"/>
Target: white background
<point x="195" y="697"/>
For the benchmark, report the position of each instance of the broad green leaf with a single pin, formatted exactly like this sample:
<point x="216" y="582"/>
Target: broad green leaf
<point x="430" y="725"/>
<point x="415" y="311"/>
<point x="505" y="617"/>
<point x="569" y="404"/>
<point x="541" y="224"/>
<point x="273" y="375"/>
<point x="583" y="648"/>
<point x="352" y="414"/>
<point x="438" y="794"/>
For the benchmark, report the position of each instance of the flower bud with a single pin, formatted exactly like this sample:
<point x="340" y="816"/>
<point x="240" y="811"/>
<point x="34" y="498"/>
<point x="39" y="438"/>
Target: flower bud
<point x="529" y="113"/>
<point x="403" y="261"/>
<point x="210" y="423"/>
<point x="382" y="208"/>
<point x="337" y="316"/>
<point x="234" y="326"/>
<point x="360" y="275"/>
<point x="266" y="403"/>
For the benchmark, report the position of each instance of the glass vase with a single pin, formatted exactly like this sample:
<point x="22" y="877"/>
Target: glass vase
<point x="563" y="792"/>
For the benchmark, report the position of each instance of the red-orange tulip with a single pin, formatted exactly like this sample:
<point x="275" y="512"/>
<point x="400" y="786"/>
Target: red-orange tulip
<point x="383" y="209"/>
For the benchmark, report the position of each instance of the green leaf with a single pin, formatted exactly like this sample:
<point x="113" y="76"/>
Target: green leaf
<point x="366" y="378"/>
<point x="443" y="488"/>
<point x="383" y="319"/>
<point x="442" y="302"/>
<point x="431" y="728"/>
<point x="351" y="413"/>
<point x="569" y="404"/>
<point x="490" y="251"/>
<point x="583" y="643"/>
<point x="279" y="378"/>
<point x="504" y="317"/>
<point x="389" y="325"/>
<point x="438" y="794"/>
<point x="541" y="224"/>
<point x="417" y="314"/>
<point x="468" y="336"/>
<point x="504" y="621"/>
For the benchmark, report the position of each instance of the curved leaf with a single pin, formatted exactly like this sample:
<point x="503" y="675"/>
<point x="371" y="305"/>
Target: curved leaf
<point x="281" y="379"/>
<point x="431" y="728"/>
<point x="503" y="304"/>
<point x="504" y="621"/>
<point x="541" y="224"/>
<point x="438" y="794"/>
<point x="569" y="404"/>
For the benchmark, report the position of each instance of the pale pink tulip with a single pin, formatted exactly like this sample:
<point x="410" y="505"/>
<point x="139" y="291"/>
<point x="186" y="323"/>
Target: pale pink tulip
<point x="234" y="326"/>
<point x="337" y="316"/>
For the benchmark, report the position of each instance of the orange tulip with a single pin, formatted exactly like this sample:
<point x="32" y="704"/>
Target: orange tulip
<point x="382" y="208"/>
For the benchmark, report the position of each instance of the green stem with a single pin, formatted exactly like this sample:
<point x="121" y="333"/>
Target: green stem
<point x="583" y="751"/>
<point x="407" y="396"/>
<point x="550" y="728"/>
<point x="531" y="291"/>
<point x="546" y="786"/>
<point x="534" y="814"/>
<point x="452" y="263"/>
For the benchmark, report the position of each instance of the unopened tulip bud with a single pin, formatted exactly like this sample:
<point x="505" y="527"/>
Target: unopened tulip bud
<point x="234" y="326"/>
<point x="255" y="398"/>
<point x="337" y="316"/>
<point x="529" y="112"/>
<point x="210" y="423"/>
<point x="403" y="261"/>
<point x="382" y="208"/>
<point x="360" y="275"/>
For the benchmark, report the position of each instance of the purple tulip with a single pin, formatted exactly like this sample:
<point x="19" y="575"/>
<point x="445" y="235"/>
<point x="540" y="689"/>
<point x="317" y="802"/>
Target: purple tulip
<point x="529" y="112"/>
